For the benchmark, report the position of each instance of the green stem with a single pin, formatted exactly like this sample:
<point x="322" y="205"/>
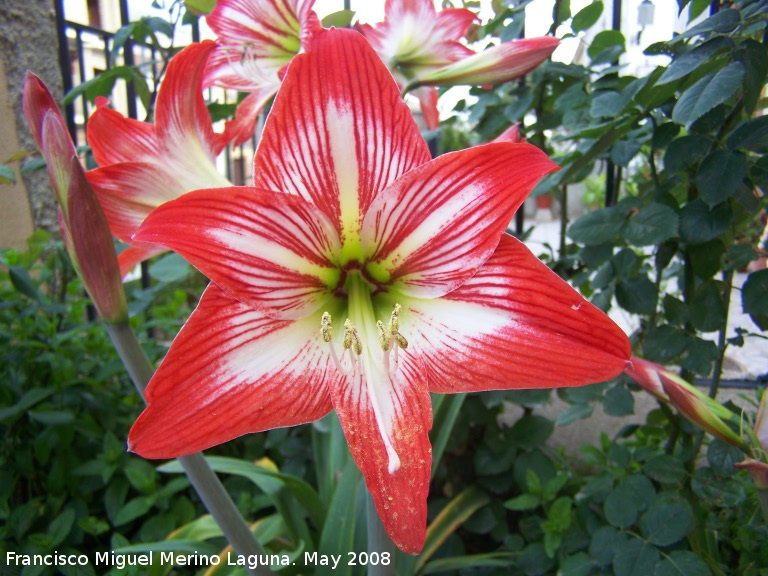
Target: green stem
<point x="203" y="480"/>
<point x="378" y="541"/>
<point x="722" y="342"/>
<point x="763" y="496"/>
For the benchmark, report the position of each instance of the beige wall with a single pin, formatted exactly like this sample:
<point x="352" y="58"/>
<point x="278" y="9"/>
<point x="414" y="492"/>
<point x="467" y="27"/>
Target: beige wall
<point x="15" y="214"/>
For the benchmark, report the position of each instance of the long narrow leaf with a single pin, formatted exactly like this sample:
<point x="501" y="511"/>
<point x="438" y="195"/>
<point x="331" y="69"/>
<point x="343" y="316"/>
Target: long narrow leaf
<point x="269" y="481"/>
<point x="446" y="411"/>
<point x="490" y="560"/>
<point x="339" y="532"/>
<point x="449" y="519"/>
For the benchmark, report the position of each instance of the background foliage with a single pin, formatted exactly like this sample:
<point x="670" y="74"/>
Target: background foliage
<point x="684" y="152"/>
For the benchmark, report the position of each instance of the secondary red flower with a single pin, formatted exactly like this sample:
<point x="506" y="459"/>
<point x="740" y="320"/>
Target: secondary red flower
<point x="360" y="276"/>
<point x="256" y="40"/>
<point x="143" y="165"/>
<point x="422" y="48"/>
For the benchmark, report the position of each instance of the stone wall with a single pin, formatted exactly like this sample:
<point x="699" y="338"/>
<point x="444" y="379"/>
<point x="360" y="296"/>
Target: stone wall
<point x="28" y="42"/>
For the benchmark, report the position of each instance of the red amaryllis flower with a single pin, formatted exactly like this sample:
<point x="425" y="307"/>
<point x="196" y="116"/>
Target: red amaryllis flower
<point x="358" y="275"/>
<point x="143" y="165"/>
<point x="256" y="40"/>
<point x="422" y="48"/>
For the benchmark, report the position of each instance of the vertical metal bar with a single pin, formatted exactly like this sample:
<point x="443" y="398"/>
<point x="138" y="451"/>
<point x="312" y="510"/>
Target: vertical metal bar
<point x="129" y="61"/>
<point x="81" y="69"/>
<point x="65" y="64"/>
<point x="611" y="193"/>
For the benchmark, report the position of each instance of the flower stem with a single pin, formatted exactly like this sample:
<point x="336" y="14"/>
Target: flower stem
<point x="378" y="541"/>
<point x="203" y="480"/>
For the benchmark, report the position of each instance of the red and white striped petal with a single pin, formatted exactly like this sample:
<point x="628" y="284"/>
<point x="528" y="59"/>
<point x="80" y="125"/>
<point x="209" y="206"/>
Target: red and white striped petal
<point x="271" y="28"/>
<point x="237" y="68"/>
<point x="431" y="230"/>
<point x="232" y="371"/>
<point x="514" y="324"/>
<point x="386" y="419"/>
<point x="498" y="64"/>
<point x="427" y="96"/>
<point x="272" y="251"/>
<point x="181" y="116"/>
<point x="242" y="127"/>
<point x="129" y="191"/>
<point x="135" y="254"/>
<point x="340" y="143"/>
<point x="114" y="138"/>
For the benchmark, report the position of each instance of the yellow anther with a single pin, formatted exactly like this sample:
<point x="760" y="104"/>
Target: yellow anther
<point x="357" y="344"/>
<point x="385" y="336"/>
<point x="401" y="341"/>
<point x="347" y="342"/>
<point x="394" y="320"/>
<point x="325" y="327"/>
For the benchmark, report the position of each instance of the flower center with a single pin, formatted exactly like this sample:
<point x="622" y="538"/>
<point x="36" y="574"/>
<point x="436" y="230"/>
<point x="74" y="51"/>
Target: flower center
<point x="371" y="375"/>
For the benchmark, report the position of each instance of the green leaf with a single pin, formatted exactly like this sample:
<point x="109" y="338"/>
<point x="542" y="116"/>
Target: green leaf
<point x="580" y="564"/>
<point x="635" y="558"/>
<point x="665" y="469"/>
<point x="754" y="298"/>
<point x="29" y="399"/>
<point x="664" y="343"/>
<point x="134" y="509"/>
<point x="685" y="152"/>
<point x="619" y="510"/>
<point x="707" y="309"/>
<point x="587" y="17"/>
<point x="651" y="225"/>
<point x="720" y="174"/>
<point x="638" y="295"/>
<point x="699" y="223"/>
<point x="574" y="413"/>
<point x="22" y="282"/>
<point x="7" y="175"/>
<point x="605" y="541"/>
<point x="692" y="60"/>
<point x="558" y="515"/>
<point x="682" y="563"/>
<point x="707" y="258"/>
<point x="449" y="519"/>
<point x="619" y="401"/>
<point x="754" y="57"/>
<point x="606" y="47"/>
<point x="200" y="6"/>
<point x="445" y="417"/>
<point x="340" y="19"/>
<point x="722" y="22"/>
<point x="718" y="490"/>
<point x="699" y="355"/>
<point x="170" y="268"/>
<point x="751" y="135"/>
<point x="338" y="533"/>
<point x="523" y="502"/>
<point x="711" y="90"/>
<point x="531" y="431"/>
<point x="472" y="562"/>
<point x="667" y="521"/>
<point x="269" y="481"/>
<point x="596" y="227"/>
<point x="59" y="528"/>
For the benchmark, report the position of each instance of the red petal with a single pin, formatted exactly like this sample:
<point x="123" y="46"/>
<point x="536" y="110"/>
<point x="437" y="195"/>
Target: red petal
<point x="232" y="371"/>
<point x="269" y="250"/>
<point x="243" y="126"/>
<point x="435" y="226"/>
<point x="135" y="254"/>
<point x="341" y="142"/>
<point x="114" y="138"/>
<point x="37" y="101"/>
<point x="404" y="418"/>
<point x="427" y="96"/>
<point x="269" y="28"/>
<point x="515" y="324"/>
<point x="129" y="191"/>
<point x="181" y="116"/>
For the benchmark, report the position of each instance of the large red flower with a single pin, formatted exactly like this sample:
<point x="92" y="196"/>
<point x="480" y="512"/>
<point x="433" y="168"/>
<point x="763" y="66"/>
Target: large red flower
<point x="359" y="275"/>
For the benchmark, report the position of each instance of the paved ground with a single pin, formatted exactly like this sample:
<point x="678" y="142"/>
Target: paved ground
<point x="748" y="362"/>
